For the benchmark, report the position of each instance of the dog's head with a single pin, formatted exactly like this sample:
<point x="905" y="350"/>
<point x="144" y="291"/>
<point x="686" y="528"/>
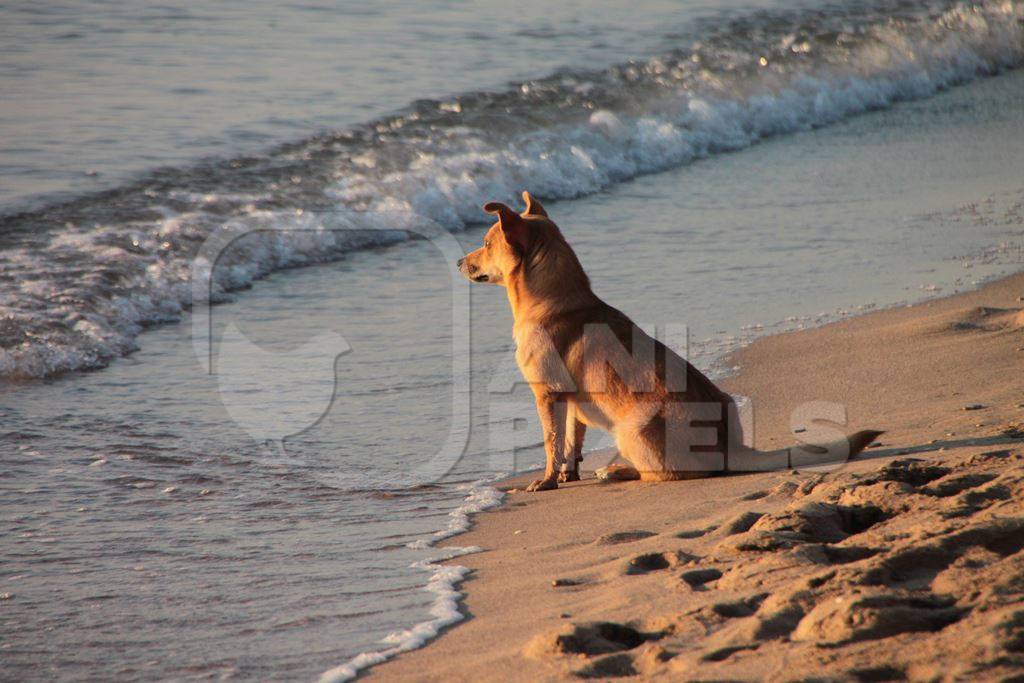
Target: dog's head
<point x="508" y="243"/>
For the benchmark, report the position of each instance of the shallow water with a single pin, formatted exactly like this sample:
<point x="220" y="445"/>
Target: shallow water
<point x="151" y="530"/>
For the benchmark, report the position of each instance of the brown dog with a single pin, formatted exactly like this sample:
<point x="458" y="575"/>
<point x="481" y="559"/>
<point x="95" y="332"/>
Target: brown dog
<point x="590" y="365"/>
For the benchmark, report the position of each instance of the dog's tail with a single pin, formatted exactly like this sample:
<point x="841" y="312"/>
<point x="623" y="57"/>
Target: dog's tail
<point x="804" y="455"/>
<point x="745" y="459"/>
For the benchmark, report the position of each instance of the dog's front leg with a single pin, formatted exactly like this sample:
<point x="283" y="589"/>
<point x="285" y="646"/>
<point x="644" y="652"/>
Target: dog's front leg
<point x="553" y="417"/>
<point x="575" y="431"/>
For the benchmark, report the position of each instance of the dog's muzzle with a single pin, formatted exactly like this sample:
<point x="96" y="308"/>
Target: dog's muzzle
<point x="468" y="270"/>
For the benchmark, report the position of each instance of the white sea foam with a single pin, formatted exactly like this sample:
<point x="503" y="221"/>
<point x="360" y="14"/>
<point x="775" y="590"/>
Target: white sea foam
<point x="443" y="584"/>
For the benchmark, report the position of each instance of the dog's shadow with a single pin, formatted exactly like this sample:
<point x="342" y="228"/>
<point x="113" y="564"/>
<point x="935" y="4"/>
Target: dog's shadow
<point x="607" y="456"/>
<point x="1013" y="439"/>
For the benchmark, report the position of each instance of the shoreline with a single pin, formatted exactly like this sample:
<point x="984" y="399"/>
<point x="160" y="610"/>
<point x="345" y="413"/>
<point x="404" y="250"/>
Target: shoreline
<point x="935" y="324"/>
<point x="444" y="582"/>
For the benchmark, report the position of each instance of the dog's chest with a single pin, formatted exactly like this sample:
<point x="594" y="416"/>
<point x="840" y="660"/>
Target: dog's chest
<point x="539" y="360"/>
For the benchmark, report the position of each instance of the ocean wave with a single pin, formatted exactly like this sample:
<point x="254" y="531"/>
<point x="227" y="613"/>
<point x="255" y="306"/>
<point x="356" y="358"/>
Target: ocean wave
<point x="81" y="280"/>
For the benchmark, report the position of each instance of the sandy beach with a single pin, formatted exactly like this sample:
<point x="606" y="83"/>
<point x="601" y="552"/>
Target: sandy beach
<point x="904" y="564"/>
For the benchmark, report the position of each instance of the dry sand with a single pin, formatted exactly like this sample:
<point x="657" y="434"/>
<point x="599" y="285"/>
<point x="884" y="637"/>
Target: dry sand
<point x="904" y="564"/>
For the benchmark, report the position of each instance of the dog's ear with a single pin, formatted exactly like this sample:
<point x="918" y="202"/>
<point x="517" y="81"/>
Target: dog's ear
<point x="512" y="224"/>
<point x="533" y="207"/>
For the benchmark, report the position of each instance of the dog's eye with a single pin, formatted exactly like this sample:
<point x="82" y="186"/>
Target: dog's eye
<point x="487" y="244"/>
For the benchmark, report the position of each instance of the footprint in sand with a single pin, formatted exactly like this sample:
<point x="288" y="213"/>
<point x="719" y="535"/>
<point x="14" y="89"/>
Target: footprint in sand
<point x="589" y="638"/>
<point x="784" y="489"/>
<point x="695" y="533"/>
<point x="624" y="537"/>
<point x="611" y="650"/>
<point x="952" y="485"/>
<point x="871" y="617"/>
<point x="696" y="578"/>
<point x="740" y="523"/>
<point x="652" y="562"/>
<point x="647" y="659"/>
<point x="734" y="609"/>
<point x="610" y="666"/>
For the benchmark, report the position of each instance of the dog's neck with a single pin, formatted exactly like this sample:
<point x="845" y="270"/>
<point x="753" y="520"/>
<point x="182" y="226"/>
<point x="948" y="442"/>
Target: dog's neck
<point x="548" y="282"/>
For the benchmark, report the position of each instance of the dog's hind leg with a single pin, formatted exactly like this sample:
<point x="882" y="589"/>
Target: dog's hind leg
<point x="575" y="431"/>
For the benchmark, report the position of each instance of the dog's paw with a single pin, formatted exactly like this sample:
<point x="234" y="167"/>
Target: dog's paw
<point x="543" y="485"/>
<point x="568" y="476"/>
